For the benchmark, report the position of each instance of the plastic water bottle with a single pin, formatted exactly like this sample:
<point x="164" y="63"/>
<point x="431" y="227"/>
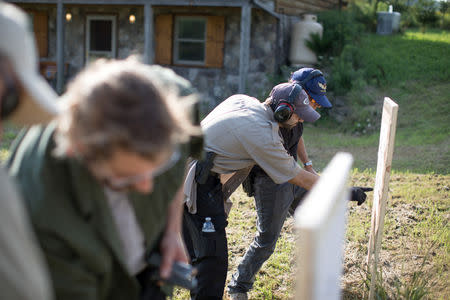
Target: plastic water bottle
<point x="208" y="226"/>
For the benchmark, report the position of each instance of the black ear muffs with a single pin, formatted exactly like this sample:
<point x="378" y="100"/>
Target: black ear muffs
<point x="285" y="108"/>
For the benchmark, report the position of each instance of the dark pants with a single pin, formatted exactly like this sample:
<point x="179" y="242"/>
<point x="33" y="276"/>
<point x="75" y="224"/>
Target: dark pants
<point x="273" y="202"/>
<point x="208" y="251"/>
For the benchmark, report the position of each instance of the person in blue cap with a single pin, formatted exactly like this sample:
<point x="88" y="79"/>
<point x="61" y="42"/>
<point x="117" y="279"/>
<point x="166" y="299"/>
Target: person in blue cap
<point x="315" y="85"/>
<point x="273" y="201"/>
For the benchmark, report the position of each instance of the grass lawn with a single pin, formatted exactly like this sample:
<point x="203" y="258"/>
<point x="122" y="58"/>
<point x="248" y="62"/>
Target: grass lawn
<point x="7" y="137"/>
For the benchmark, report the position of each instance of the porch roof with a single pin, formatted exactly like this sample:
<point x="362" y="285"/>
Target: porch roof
<point x="231" y="3"/>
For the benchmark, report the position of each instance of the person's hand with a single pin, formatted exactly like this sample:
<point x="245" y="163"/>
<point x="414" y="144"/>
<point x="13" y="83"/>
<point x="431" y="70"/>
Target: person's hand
<point x="310" y="169"/>
<point x="172" y="249"/>
<point x="359" y="194"/>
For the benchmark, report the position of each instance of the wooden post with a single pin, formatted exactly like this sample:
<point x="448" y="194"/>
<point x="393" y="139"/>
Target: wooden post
<point x="59" y="47"/>
<point x="385" y="152"/>
<point x="320" y="221"/>
<point x="148" y="33"/>
<point x="244" y="51"/>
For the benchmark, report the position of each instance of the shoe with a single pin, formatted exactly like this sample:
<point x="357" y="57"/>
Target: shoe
<point x="238" y="296"/>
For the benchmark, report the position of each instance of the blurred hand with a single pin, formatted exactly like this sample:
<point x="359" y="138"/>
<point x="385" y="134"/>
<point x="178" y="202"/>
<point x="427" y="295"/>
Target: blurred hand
<point x="172" y="249"/>
<point x="359" y="194"/>
<point x="310" y="169"/>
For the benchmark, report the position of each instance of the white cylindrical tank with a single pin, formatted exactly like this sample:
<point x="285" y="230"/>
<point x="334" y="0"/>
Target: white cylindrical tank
<point x="299" y="53"/>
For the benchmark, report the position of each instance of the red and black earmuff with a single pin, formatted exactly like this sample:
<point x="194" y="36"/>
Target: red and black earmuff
<point x="285" y="108"/>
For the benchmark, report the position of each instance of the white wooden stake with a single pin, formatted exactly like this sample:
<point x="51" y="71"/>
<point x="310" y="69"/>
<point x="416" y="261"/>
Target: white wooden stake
<point x="320" y="221"/>
<point x="385" y="152"/>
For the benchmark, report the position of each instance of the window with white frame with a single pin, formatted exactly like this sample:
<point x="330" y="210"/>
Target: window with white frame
<point x="100" y="37"/>
<point x="190" y="40"/>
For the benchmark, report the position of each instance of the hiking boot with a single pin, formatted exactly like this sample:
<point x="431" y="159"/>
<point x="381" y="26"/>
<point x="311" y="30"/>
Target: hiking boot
<point x="238" y="296"/>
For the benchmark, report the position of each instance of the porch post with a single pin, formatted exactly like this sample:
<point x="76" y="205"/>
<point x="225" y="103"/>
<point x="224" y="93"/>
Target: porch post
<point x="148" y="33"/>
<point x="59" y="47"/>
<point x="244" y="51"/>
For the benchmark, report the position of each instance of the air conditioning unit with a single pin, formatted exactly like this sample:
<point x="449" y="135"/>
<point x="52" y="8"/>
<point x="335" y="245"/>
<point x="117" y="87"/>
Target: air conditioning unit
<point x="388" y="22"/>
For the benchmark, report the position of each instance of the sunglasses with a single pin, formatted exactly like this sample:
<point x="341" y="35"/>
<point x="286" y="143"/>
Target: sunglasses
<point x="123" y="183"/>
<point x="315" y="104"/>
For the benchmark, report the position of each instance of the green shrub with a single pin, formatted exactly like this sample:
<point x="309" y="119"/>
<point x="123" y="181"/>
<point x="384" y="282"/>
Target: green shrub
<point x="401" y="6"/>
<point x="320" y="46"/>
<point x="408" y="20"/>
<point x="346" y="70"/>
<point x="425" y="11"/>
<point x="444" y="21"/>
<point x="443" y="7"/>
<point x="364" y="13"/>
<point x="339" y="29"/>
<point x="341" y="81"/>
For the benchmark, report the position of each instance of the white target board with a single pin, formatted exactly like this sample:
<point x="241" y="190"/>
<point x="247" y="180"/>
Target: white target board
<point x="380" y="193"/>
<point x="321" y="223"/>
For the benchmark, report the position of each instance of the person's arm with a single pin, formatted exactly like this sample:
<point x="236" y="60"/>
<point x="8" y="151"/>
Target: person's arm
<point x="305" y="179"/>
<point x="22" y="260"/>
<point x="172" y="245"/>
<point x="303" y="156"/>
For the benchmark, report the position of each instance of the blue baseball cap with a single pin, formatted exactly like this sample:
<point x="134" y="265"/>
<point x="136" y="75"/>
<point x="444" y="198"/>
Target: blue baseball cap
<point x="316" y="86"/>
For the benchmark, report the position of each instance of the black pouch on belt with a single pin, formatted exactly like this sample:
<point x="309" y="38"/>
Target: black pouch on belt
<point x="247" y="184"/>
<point x="210" y="202"/>
<point x="203" y="169"/>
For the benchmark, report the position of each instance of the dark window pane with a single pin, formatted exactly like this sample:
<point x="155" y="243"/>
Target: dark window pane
<point x="191" y="51"/>
<point x="101" y="35"/>
<point x="191" y="29"/>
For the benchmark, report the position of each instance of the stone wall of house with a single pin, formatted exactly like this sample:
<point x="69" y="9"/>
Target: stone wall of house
<point x="130" y="37"/>
<point x="214" y="84"/>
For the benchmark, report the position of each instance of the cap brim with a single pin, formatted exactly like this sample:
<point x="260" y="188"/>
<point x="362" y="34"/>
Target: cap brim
<point x="322" y="100"/>
<point x="307" y="113"/>
<point x="40" y="102"/>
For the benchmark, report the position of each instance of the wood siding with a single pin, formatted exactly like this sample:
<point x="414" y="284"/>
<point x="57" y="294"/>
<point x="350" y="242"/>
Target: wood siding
<point x="298" y="7"/>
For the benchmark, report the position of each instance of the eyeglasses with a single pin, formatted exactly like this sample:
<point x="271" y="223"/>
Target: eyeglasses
<point x="126" y="182"/>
